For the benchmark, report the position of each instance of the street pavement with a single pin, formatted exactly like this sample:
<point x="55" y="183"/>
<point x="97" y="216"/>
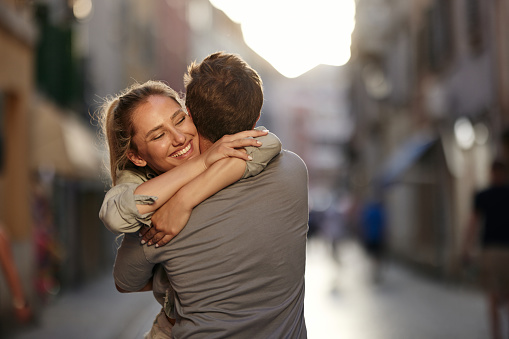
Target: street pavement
<point x="342" y="301"/>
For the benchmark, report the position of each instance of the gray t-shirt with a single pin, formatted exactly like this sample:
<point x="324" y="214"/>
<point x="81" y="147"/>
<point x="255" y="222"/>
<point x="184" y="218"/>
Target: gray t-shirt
<point x="238" y="266"/>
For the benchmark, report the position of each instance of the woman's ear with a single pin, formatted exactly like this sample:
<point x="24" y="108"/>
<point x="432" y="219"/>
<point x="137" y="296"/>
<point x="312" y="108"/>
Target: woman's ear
<point x="136" y="159"/>
<point x="189" y="113"/>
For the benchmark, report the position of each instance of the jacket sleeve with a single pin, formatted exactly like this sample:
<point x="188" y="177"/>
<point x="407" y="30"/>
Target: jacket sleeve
<point x="132" y="270"/>
<point x="271" y="146"/>
<point x="119" y="212"/>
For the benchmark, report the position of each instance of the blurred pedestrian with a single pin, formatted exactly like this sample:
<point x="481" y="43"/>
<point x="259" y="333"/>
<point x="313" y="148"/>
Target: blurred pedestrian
<point x="489" y="225"/>
<point x="48" y="250"/>
<point x="373" y="232"/>
<point x="333" y="229"/>
<point x="20" y="305"/>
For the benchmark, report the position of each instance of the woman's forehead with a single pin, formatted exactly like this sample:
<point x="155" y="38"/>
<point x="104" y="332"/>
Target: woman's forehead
<point x="155" y="111"/>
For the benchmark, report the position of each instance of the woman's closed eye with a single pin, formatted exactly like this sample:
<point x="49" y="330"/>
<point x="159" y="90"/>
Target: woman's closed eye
<point x="158" y="136"/>
<point x="180" y="119"/>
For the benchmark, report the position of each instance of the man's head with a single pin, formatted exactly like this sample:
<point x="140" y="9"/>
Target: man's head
<point x="224" y="95"/>
<point x="498" y="173"/>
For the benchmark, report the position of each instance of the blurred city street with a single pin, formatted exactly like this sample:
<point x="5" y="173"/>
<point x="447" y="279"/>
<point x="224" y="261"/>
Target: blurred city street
<point x="341" y="302"/>
<point x="398" y="108"/>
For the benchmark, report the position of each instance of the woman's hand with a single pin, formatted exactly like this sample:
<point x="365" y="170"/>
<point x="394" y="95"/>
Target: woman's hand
<point x="232" y="146"/>
<point x="167" y="222"/>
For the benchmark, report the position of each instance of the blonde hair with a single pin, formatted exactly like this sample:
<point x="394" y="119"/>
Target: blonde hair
<point x="116" y="120"/>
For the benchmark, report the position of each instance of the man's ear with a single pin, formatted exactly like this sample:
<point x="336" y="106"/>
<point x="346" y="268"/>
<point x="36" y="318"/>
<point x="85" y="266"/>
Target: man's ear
<point x="259" y="116"/>
<point x="136" y="159"/>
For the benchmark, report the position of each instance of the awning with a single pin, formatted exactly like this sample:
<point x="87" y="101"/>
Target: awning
<point x="62" y="143"/>
<point x="404" y="157"/>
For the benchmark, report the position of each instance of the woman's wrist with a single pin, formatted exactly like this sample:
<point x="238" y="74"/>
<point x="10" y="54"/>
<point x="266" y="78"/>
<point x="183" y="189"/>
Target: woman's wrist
<point x="185" y="199"/>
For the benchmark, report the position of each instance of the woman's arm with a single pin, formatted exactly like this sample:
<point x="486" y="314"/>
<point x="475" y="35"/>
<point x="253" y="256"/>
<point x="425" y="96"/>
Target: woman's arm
<point x="129" y="205"/>
<point x="261" y="156"/>
<point x="167" y="184"/>
<point x="171" y="219"/>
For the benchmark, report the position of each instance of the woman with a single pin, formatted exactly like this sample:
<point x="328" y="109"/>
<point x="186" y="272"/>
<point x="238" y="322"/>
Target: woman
<point x="154" y="151"/>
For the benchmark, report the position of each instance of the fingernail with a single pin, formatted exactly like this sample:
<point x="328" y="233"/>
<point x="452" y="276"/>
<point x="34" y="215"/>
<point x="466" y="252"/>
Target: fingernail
<point x="157" y="245"/>
<point x="266" y="130"/>
<point x="249" y="157"/>
<point x="139" y="235"/>
<point x="258" y="142"/>
<point x="149" y="243"/>
<point x="143" y="242"/>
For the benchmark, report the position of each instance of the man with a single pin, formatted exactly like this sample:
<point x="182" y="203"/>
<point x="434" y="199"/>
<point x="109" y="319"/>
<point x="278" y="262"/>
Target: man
<point x="489" y="222"/>
<point x="237" y="268"/>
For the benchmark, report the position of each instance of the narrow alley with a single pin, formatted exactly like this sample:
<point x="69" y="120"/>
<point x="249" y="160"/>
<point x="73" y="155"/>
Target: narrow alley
<point x="341" y="302"/>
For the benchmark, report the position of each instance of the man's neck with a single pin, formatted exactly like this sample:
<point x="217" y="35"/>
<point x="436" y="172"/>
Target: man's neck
<point x="205" y="144"/>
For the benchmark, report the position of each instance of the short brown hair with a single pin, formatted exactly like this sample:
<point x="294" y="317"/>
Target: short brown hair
<point x="224" y="95"/>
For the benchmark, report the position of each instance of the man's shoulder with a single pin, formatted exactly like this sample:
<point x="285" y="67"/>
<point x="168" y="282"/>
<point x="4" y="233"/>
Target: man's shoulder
<point x="289" y="160"/>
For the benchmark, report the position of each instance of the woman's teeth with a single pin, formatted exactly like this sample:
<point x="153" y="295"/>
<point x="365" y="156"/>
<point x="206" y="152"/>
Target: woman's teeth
<point x="182" y="151"/>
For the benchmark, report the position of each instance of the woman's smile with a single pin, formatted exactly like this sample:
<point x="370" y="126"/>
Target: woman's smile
<point x="186" y="151"/>
<point x="164" y="134"/>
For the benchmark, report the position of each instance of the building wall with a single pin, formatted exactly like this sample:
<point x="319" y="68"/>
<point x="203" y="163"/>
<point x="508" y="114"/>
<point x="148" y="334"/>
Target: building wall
<point x="16" y="74"/>
<point x="16" y="84"/>
<point x="435" y="61"/>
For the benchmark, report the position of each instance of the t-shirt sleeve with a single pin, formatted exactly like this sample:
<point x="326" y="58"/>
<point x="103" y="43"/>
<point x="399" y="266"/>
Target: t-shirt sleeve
<point x="271" y="146"/>
<point x="132" y="271"/>
<point x="119" y="212"/>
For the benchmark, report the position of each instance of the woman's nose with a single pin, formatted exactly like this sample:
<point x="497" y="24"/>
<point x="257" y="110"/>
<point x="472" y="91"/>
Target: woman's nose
<point x="178" y="137"/>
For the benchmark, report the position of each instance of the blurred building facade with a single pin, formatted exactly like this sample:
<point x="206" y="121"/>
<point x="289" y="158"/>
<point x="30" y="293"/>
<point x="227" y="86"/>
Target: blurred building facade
<point x="48" y="160"/>
<point x="17" y="42"/>
<point x="18" y="38"/>
<point x="427" y="84"/>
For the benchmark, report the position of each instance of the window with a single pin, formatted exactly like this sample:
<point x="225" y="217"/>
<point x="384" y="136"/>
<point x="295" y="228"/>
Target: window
<point x="473" y="18"/>
<point x="436" y="37"/>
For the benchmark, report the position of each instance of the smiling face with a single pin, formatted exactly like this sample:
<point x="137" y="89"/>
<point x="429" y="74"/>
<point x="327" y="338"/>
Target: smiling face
<point x="164" y="135"/>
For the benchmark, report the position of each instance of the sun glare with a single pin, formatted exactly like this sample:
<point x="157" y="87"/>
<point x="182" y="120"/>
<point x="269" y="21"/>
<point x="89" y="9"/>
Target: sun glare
<point x="295" y="35"/>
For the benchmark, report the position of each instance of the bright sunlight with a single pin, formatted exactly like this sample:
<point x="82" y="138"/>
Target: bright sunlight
<point x="295" y="36"/>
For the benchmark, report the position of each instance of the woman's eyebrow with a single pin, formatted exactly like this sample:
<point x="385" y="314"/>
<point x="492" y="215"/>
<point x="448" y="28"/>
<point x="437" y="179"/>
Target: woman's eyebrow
<point x="153" y="130"/>
<point x="161" y="125"/>
<point x="177" y="112"/>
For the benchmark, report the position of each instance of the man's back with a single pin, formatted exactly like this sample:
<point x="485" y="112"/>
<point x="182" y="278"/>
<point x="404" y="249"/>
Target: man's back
<point x="238" y="266"/>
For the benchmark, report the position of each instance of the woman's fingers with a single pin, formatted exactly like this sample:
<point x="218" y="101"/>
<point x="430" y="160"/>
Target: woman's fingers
<point x="147" y="237"/>
<point x="164" y="240"/>
<point x="233" y="146"/>
<point x="243" y="143"/>
<point x="246" y="134"/>
<point x="159" y="238"/>
<point x="144" y="229"/>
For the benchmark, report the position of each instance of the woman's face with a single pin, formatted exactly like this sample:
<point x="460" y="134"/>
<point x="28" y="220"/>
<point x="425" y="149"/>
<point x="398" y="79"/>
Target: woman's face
<point x="164" y="135"/>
